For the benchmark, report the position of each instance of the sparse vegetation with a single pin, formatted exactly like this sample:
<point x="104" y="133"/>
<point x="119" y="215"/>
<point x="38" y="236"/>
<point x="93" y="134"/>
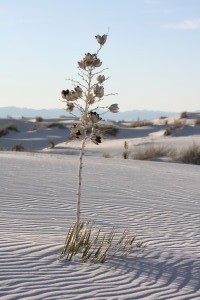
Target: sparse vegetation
<point x="18" y="147"/>
<point x="125" y="154"/>
<point x="106" y="155"/>
<point x="4" y="130"/>
<point x="39" y="119"/>
<point x="58" y="125"/>
<point x="34" y="128"/>
<point x="140" y="123"/>
<point x="162" y="117"/>
<point x="178" y="124"/>
<point x="152" y="152"/>
<point x="184" y="115"/>
<point x="51" y="144"/>
<point x="163" y="120"/>
<point x="191" y="155"/>
<point x="197" y="122"/>
<point x="168" y="131"/>
<point x="126" y="145"/>
<point x="171" y="129"/>
<point x="96" y="244"/>
<point x="105" y="129"/>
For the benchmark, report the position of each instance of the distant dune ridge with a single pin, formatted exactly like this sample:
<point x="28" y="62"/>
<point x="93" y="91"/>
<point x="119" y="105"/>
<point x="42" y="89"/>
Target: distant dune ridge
<point x="55" y="113"/>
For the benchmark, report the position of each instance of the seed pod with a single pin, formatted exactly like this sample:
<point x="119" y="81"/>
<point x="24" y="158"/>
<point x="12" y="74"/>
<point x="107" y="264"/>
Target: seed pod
<point x="101" y="78"/>
<point x="113" y="108"/>
<point x="101" y="39"/>
<point x="98" y="91"/>
<point x="70" y="106"/>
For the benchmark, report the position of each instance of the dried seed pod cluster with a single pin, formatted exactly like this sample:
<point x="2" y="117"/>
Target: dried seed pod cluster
<point x="89" y="60"/>
<point x="101" y="78"/>
<point x="94" y="117"/>
<point x="96" y="136"/>
<point x="88" y="93"/>
<point x="72" y="95"/>
<point x="98" y="90"/>
<point x="96" y="139"/>
<point x="75" y="131"/>
<point x="70" y="106"/>
<point x="113" y="108"/>
<point x="90" y="98"/>
<point x="101" y="39"/>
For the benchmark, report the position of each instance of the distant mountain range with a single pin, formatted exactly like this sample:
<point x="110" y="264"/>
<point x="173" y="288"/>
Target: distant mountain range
<point x="55" y="113"/>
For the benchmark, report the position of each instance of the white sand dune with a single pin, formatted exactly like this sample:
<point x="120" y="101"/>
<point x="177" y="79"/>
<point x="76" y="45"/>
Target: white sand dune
<point x="35" y="136"/>
<point x="31" y="135"/>
<point x="160" y="202"/>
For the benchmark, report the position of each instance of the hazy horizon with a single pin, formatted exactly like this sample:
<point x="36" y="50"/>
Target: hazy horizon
<point x="18" y="112"/>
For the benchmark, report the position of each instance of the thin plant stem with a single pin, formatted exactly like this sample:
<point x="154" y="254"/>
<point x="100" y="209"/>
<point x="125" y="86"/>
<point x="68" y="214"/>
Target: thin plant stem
<point x="80" y="167"/>
<point x="78" y="206"/>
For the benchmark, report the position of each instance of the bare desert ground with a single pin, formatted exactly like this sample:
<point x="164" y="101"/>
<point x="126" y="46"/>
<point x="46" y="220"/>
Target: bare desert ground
<point x="157" y="199"/>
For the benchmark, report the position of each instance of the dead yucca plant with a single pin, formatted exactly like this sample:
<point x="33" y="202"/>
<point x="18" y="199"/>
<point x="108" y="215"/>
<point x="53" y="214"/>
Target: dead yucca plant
<point x="85" y="97"/>
<point x="97" y="245"/>
<point x="152" y="152"/>
<point x="191" y="155"/>
<point x="94" y="245"/>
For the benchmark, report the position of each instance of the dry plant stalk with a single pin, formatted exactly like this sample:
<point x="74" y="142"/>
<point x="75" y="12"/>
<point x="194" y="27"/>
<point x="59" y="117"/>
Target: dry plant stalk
<point x="86" y="97"/>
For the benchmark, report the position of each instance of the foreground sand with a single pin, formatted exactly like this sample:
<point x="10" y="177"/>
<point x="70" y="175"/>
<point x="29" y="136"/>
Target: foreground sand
<point x="160" y="202"/>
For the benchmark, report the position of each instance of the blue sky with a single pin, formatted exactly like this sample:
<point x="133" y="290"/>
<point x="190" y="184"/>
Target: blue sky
<point x="153" y="51"/>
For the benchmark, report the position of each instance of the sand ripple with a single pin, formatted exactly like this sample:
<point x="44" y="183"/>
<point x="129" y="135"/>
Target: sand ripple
<point x="160" y="202"/>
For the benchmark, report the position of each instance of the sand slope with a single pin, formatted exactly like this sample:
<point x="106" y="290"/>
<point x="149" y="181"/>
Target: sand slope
<point x="35" y="137"/>
<point x="158" y="201"/>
